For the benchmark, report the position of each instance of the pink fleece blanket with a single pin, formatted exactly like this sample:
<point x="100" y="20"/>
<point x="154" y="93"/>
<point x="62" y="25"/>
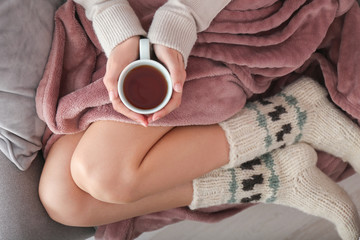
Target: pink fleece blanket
<point x="251" y="49"/>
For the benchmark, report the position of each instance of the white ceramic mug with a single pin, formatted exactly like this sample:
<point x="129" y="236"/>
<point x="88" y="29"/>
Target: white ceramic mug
<point x="144" y="50"/>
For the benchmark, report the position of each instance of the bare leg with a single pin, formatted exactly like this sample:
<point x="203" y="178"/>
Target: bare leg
<point x="67" y="203"/>
<point x="120" y="163"/>
<point x="112" y="160"/>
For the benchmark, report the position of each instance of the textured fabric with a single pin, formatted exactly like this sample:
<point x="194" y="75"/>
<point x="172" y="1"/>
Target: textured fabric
<point x="219" y="79"/>
<point x="251" y="47"/>
<point x="287" y="176"/>
<point x="299" y="113"/>
<point x="26" y="29"/>
<point x="22" y="216"/>
<point x="25" y="38"/>
<point x="113" y="21"/>
<point x="175" y="24"/>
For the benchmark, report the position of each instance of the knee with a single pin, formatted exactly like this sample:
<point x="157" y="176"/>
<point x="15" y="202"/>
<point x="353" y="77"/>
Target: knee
<point x="103" y="182"/>
<point x="61" y="204"/>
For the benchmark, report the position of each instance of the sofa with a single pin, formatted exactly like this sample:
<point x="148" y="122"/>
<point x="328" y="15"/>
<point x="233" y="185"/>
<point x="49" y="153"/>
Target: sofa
<point x="26" y="29"/>
<point x="25" y="39"/>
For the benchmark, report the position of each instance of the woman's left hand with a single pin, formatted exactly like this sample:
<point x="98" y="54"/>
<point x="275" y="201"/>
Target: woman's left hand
<point x="173" y="61"/>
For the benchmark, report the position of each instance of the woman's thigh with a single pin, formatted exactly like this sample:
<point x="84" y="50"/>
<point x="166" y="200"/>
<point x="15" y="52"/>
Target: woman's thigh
<point x="118" y="144"/>
<point x="66" y="203"/>
<point x="108" y="155"/>
<point x="122" y="163"/>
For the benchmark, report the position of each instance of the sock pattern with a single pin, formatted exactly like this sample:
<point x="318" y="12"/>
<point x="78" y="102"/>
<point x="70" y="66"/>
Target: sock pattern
<point x="300" y="113"/>
<point x="287" y="176"/>
<point x="251" y="180"/>
<point x="263" y="126"/>
<point x="269" y="116"/>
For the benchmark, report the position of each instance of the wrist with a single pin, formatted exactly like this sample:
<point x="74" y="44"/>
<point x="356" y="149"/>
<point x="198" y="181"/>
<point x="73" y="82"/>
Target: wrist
<point x="174" y="30"/>
<point x="116" y="24"/>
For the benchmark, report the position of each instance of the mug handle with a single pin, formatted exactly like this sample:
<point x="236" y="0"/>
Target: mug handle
<point x="144" y="48"/>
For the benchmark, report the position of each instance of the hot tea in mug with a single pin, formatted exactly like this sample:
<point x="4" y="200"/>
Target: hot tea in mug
<point x="145" y="85"/>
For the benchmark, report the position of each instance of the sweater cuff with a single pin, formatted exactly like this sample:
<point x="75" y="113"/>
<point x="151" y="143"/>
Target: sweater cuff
<point x="174" y="30"/>
<point x="116" y="24"/>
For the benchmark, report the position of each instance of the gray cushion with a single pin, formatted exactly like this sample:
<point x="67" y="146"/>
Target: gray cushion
<point x="25" y="38"/>
<point x="22" y="217"/>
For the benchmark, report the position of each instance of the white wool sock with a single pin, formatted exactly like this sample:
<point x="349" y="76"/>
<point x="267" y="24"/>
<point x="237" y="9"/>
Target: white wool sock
<point x="286" y="176"/>
<point x="300" y="113"/>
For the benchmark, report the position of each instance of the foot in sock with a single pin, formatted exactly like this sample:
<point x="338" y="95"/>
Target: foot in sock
<point x="287" y="176"/>
<point x="300" y="113"/>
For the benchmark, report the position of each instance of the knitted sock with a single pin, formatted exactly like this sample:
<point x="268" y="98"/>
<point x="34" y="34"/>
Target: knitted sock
<point x="286" y="176"/>
<point x="300" y="113"/>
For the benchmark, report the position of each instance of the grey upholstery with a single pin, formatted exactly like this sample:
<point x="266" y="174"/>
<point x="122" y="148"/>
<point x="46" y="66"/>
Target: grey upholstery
<point x="22" y="217"/>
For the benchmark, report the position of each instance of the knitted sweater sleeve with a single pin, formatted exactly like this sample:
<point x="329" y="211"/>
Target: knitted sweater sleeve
<point x="113" y="21"/>
<point x="177" y="23"/>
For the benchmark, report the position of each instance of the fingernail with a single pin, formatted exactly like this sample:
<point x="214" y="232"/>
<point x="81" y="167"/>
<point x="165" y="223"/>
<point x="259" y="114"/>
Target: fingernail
<point x="111" y="95"/>
<point x="142" y="123"/>
<point x="178" y="87"/>
<point x="156" y="117"/>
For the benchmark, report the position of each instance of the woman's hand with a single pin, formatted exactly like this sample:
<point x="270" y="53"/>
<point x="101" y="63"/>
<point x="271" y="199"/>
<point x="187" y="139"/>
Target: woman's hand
<point x="174" y="62"/>
<point x="127" y="52"/>
<point x="122" y="55"/>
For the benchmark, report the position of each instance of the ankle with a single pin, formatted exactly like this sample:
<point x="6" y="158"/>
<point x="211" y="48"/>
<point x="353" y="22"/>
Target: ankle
<point x="307" y="90"/>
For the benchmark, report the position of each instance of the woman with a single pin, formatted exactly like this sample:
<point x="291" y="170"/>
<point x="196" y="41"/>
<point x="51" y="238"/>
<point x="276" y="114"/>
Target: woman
<point x="113" y="170"/>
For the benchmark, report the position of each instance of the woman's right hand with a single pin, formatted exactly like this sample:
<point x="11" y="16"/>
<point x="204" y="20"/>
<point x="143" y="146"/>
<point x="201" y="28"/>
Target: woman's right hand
<point x="122" y="55"/>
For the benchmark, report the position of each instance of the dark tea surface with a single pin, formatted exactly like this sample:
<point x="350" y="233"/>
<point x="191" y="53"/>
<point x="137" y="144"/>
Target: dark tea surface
<point x="145" y="87"/>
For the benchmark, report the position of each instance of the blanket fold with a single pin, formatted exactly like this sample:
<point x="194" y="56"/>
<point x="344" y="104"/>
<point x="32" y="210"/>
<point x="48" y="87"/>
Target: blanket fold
<point x="251" y="49"/>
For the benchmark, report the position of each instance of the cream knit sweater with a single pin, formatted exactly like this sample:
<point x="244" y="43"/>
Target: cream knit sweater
<point x="175" y="24"/>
